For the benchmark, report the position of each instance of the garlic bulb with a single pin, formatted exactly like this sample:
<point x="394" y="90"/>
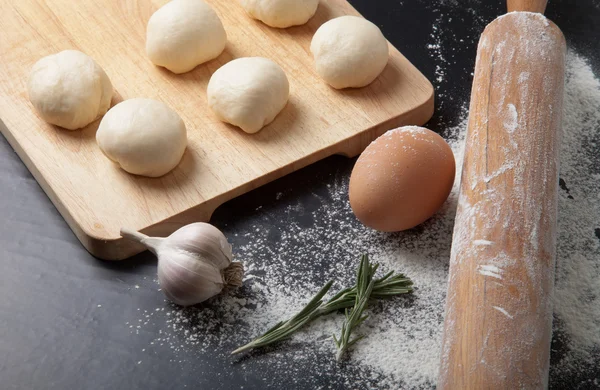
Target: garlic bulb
<point x="194" y="263"/>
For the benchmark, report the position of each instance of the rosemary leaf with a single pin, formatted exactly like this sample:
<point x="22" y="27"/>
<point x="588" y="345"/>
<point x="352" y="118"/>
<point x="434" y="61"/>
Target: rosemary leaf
<point x="285" y="329"/>
<point x="365" y="284"/>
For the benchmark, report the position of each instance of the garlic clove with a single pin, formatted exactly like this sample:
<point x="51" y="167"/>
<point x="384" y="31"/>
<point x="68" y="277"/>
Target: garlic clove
<point x="187" y="281"/>
<point x="205" y="240"/>
<point x="190" y="266"/>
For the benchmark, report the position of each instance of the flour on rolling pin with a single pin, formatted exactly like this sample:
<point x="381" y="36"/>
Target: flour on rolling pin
<point x="512" y="167"/>
<point x="502" y="262"/>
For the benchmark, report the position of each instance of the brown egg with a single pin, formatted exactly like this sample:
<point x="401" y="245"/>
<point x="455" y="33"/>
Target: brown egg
<point x="401" y="179"/>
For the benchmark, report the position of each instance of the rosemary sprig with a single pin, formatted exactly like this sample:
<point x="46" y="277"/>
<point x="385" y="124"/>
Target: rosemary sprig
<point x="388" y="286"/>
<point x="284" y="329"/>
<point x="354" y="316"/>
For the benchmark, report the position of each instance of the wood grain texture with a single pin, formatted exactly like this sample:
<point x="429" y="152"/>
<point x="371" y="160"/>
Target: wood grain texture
<point x="527" y="5"/>
<point x="498" y="320"/>
<point x="221" y="162"/>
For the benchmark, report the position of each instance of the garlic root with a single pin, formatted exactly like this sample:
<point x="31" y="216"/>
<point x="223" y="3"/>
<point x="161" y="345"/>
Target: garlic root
<point x="234" y="274"/>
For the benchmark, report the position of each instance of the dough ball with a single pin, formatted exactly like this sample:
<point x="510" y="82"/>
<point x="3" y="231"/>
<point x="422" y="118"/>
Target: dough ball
<point x="281" y="13"/>
<point x="248" y="92"/>
<point x="69" y="89"/>
<point x="183" y="34"/>
<point x="144" y="136"/>
<point x="349" y="51"/>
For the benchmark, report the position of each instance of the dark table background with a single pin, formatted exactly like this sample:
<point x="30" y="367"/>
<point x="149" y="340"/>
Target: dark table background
<point x="52" y="335"/>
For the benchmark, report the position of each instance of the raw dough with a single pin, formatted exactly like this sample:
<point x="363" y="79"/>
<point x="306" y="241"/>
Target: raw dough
<point x="144" y="136"/>
<point x="69" y="89"/>
<point x="281" y="13"/>
<point x="183" y="34"/>
<point x="248" y="92"/>
<point x="349" y="51"/>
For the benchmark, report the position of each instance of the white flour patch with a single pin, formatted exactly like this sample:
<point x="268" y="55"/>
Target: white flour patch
<point x="403" y="336"/>
<point x="490" y="270"/>
<point x="577" y="289"/>
<point x="402" y="344"/>
<point x="503" y="311"/>
<point x="512" y="118"/>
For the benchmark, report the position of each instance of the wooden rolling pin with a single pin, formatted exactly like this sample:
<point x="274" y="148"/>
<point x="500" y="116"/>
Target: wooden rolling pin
<point x="498" y="320"/>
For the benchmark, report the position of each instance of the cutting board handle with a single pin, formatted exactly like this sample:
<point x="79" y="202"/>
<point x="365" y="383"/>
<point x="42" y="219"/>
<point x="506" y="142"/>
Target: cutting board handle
<point x="527" y="5"/>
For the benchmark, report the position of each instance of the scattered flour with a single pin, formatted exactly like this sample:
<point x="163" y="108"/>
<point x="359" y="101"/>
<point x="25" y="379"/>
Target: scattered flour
<point x="402" y="343"/>
<point x="445" y="47"/>
<point x="577" y="289"/>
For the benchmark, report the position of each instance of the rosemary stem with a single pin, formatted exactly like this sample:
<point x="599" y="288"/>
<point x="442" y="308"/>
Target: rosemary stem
<point x="365" y="289"/>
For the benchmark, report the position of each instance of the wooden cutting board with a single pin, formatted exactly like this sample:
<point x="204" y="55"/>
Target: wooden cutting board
<point x="96" y="198"/>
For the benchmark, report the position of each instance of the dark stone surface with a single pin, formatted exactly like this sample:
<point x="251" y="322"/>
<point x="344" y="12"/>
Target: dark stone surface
<point x="52" y="333"/>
